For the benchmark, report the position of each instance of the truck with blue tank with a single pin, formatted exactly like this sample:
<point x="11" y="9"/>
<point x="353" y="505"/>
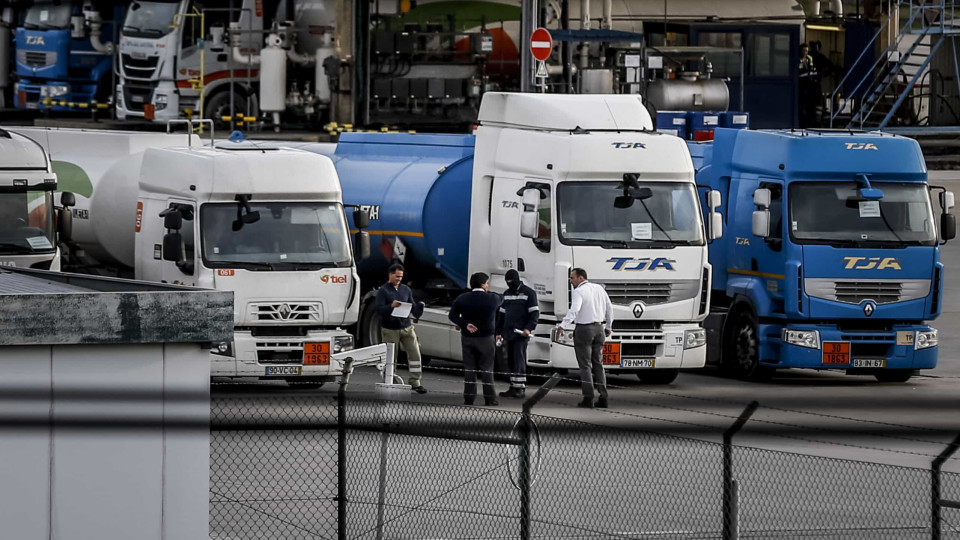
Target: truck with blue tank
<point x="830" y="256"/>
<point x="547" y="183"/>
<point x="64" y="55"/>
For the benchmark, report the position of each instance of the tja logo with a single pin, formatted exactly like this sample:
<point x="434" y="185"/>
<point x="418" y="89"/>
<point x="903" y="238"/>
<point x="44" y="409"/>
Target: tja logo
<point x="629" y="263"/>
<point x="333" y="279"/>
<point x="861" y="146"/>
<point x="626" y="145"/>
<point x="864" y="263"/>
<point x="35" y="40"/>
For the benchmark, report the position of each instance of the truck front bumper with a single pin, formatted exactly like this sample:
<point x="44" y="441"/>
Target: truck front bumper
<point x="69" y="96"/>
<point x="279" y="357"/>
<point x="849" y="350"/>
<point x="638" y="351"/>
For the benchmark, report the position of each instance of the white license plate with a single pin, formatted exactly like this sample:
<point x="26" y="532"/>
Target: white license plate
<point x="284" y="370"/>
<point x="637" y="362"/>
<point x="869" y="362"/>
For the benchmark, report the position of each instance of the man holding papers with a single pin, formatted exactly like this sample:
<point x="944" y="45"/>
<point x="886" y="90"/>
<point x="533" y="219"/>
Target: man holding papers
<point x="396" y="306"/>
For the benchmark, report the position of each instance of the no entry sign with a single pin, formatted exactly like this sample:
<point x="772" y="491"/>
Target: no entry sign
<point x="541" y="44"/>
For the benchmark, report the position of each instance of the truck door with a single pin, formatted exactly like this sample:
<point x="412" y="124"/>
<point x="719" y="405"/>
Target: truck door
<point x="504" y="220"/>
<point x="186" y="272"/>
<point x="535" y="255"/>
<point x="767" y="255"/>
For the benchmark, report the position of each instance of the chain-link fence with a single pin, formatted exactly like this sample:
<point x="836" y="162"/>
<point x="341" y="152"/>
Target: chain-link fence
<point x="319" y="466"/>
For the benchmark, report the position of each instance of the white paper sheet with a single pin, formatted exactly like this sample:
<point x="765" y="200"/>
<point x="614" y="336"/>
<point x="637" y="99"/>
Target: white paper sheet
<point x="403" y="310"/>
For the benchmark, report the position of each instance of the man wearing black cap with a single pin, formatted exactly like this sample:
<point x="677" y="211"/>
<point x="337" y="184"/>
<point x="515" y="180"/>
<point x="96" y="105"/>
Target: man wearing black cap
<point x="519" y="314"/>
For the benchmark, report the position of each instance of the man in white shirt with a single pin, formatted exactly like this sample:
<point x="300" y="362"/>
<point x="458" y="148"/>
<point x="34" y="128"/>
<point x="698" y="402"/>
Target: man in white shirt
<point x="591" y="318"/>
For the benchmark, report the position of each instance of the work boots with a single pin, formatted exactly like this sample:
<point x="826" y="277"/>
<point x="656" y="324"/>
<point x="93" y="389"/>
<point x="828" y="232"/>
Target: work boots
<point x="514" y="392"/>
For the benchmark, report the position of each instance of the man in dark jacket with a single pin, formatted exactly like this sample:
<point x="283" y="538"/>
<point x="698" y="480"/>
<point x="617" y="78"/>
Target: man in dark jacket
<point x="399" y="330"/>
<point x="518" y="318"/>
<point x="475" y="312"/>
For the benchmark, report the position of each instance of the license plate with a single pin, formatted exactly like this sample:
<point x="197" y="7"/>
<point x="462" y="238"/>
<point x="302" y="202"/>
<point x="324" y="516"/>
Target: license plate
<point x="284" y="370"/>
<point x="836" y="353"/>
<point x="638" y="363"/>
<point x="869" y="362"/>
<point x="316" y="354"/>
<point x="611" y="353"/>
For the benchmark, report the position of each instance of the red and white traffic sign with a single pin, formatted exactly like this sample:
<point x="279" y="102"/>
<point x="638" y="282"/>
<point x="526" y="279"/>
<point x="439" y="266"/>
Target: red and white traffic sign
<point x="541" y="44"/>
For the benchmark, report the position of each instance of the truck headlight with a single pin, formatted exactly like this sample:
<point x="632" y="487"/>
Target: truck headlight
<point x="222" y="348"/>
<point x="802" y="338"/>
<point x="563" y="339"/>
<point x="56" y="90"/>
<point x="926" y="339"/>
<point x="160" y="102"/>
<point x="694" y="338"/>
<point x="342" y="343"/>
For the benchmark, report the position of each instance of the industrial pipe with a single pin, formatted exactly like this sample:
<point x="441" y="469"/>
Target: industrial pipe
<point x="93" y="17"/>
<point x="238" y="55"/>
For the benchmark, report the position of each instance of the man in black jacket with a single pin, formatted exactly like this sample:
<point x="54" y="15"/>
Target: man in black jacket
<point x="518" y="318"/>
<point x="399" y="330"/>
<point x="475" y="312"/>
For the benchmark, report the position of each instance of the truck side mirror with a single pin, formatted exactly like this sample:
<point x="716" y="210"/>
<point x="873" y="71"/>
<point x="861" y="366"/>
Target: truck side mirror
<point x="173" y="247"/>
<point x="68" y="199"/>
<point x="948" y="226"/>
<point x="761" y="223"/>
<point x="363" y="246"/>
<point x="530" y="213"/>
<point x="761" y="198"/>
<point x="65" y="224"/>
<point x="172" y="219"/>
<point x="946" y="201"/>
<point x="361" y="218"/>
<point x="716" y="219"/>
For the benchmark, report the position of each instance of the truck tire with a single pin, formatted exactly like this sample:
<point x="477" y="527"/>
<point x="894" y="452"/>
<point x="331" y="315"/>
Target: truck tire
<point x="894" y="375"/>
<point x="741" y="355"/>
<point x="658" y="376"/>
<point x="368" y="330"/>
<point x="218" y="106"/>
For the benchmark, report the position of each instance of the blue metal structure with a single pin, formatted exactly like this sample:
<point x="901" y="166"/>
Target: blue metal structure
<point x="427" y="179"/>
<point x="55" y="69"/>
<point x="846" y="277"/>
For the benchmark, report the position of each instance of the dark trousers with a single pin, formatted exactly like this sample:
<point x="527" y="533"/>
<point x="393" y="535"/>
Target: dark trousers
<point x="478" y="358"/>
<point x="588" y="344"/>
<point x="517" y="360"/>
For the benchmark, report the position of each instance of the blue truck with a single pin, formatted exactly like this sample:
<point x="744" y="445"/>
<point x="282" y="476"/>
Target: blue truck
<point x="830" y="256"/>
<point x="64" y="55"/>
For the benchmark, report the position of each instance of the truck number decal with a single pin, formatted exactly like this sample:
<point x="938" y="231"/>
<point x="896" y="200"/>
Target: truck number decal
<point x="506" y="263"/>
<point x="374" y="210"/>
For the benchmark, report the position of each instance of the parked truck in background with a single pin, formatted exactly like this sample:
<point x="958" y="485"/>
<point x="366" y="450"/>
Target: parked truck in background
<point x="830" y="258"/>
<point x="28" y="234"/>
<point x="173" y="62"/>
<point x="64" y="55"/>
<point x="548" y="183"/>
<point x="267" y="224"/>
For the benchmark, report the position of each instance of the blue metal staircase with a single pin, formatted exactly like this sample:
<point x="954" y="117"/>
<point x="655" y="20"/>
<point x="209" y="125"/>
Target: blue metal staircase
<point x="897" y="70"/>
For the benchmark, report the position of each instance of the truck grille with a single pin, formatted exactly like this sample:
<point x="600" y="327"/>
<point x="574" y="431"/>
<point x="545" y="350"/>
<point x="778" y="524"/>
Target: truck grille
<point x="280" y="352"/>
<point x="139" y="67"/>
<point x="881" y="291"/>
<point x="37" y="59"/>
<point x="631" y="350"/>
<point x="135" y="96"/>
<point x="624" y="293"/>
<point x="287" y="311"/>
<point x="854" y="292"/>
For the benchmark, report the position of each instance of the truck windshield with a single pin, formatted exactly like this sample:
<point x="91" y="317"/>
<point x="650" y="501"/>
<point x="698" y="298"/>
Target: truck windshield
<point x="834" y="213"/>
<point x="286" y="235"/>
<point x="48" y="16"/>
<point x="668" y="216"/>
<point x="26" y="222"/>
<point x="150" y="19"/>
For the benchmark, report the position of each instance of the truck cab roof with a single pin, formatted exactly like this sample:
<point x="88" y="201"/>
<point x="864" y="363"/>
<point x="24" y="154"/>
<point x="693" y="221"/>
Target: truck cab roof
<point x="21" y="153"/>
<point x="565" y="112"/>
<point x="222" y="172"/>
<point x="810" y="155"/>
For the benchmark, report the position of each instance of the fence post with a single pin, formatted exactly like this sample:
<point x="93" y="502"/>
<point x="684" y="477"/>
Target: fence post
<point x="525" y="470"/>
<point x="935" y="500"/>
<point x="731" y="510"/>
<point x="342" y="450"/>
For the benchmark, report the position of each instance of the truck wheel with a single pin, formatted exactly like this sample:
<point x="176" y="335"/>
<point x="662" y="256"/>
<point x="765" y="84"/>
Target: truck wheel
<point x="659" y="376"/>
<point x="369" y="327"/>
<point x="742" y="355"/>
<point x="218" y="106"/>
<point x="894" y="375"/>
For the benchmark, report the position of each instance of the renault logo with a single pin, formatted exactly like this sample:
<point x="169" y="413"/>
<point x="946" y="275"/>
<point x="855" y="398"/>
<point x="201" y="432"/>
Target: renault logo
<point x="637" y="310"/>
<point x="285" y="311"/>
<point x="869" y="307"/>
